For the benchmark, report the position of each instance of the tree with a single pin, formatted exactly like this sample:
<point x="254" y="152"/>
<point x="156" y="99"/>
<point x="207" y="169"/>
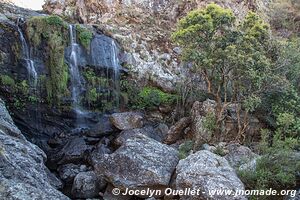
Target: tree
<point x="234" y="60"/>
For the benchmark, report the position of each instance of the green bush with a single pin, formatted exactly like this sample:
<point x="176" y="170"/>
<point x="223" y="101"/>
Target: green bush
<point x="277" y="168"/>
<point x="54" y="20"/>
<point x="150" y="98"/>
<point x="210" y="122"/>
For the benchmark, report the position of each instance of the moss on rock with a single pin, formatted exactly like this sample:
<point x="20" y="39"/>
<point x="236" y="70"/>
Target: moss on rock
<point x="84" y="36"/>
<point x="51" y="33"/>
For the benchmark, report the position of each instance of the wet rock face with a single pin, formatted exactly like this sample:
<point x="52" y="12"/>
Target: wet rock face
<point x="207" y="171"/>
<point x="140" y="162"/>
<point x="23" y="174"/>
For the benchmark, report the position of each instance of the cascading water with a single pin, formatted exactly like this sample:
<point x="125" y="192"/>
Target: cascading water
<point x="32" y="73"/>
<point x="76" y="83"/>
<point x="26" y="57"/>
<point x="116" y="73"/>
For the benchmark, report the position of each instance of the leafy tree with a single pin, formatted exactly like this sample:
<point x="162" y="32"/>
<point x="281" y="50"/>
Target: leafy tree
<point x="234" y="60"/>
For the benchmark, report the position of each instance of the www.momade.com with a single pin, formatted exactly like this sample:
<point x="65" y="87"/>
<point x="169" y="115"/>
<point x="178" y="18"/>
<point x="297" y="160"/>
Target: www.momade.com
<point x="198" y="192"/>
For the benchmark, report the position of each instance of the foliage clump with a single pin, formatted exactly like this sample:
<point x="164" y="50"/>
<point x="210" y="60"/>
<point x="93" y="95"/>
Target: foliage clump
<point x="19" y="91"/>
<point x="150" y="98"/>
<point x="51" y="32"/>
<point x="84" y="36"/>
<point x="277" y="168"/>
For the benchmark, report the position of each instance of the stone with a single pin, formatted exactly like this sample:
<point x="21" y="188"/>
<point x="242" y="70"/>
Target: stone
<point x="101" y="149"/>
<point x="54" y="181"/>
<point x="23" y="174"/>
<point x="68" y="172"/>
<point x="157" y="133"/>
<point x="87" y="185"/>
<point x="209" y="148"/>
<point x="127" y="120"/>
<point x="102" y="128"/>
<point x="74" y="151"/>
<point x="139" y="162"/>
<point x="176" y="131"/>
<point x="239" y="155"/>
<point x="198" y="112"/>
<point x="207" y="171"/>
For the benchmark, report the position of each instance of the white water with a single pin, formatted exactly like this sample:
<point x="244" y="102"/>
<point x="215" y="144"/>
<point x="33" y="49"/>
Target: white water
<point x="76" y="84"/>
<point x="116" y="73"/>
<point x="28" y="61"/>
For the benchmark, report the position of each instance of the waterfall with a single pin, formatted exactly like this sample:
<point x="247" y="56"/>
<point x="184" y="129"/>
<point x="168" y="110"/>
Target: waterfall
<point x="116" y="73"/>
<point x="76" y="83"/>
<point x="32" y="73"/>
<point x="26" y="57"/>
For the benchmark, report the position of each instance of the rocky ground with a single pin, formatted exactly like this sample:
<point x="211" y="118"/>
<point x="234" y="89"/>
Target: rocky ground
<point x="132" y="156"/>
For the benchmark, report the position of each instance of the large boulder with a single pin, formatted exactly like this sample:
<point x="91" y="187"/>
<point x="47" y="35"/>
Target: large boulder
<point x="140" y="162"/>
<point x="206" y="172"/>
<point x="127" y="120"/>
<point x="87" y="185"/>
<point x="157" y="133"/>
<point x="199" y="111"/>
<point x="23" y="174"/>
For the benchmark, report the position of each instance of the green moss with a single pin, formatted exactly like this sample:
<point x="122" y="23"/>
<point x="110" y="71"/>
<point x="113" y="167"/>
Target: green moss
<point x="51" y="32"/>
<point x="84" y="36"/>
<point x="92" y="95"/>
<point x="7" y="81"/>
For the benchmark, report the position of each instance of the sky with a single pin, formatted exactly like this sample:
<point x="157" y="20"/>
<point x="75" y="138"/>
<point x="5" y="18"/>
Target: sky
<point x="32" y="4"/>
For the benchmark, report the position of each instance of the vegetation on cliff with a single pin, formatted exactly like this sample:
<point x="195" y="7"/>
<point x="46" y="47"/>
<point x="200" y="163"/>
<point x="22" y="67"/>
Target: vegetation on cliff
<point x="51" y="32"/>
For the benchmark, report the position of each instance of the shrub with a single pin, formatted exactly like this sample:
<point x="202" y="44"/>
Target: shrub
<point x="150" y="98"/>
<point x="210" y="122"/>
<point x="277" y="168"/>
<point x="185" y="148"/>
